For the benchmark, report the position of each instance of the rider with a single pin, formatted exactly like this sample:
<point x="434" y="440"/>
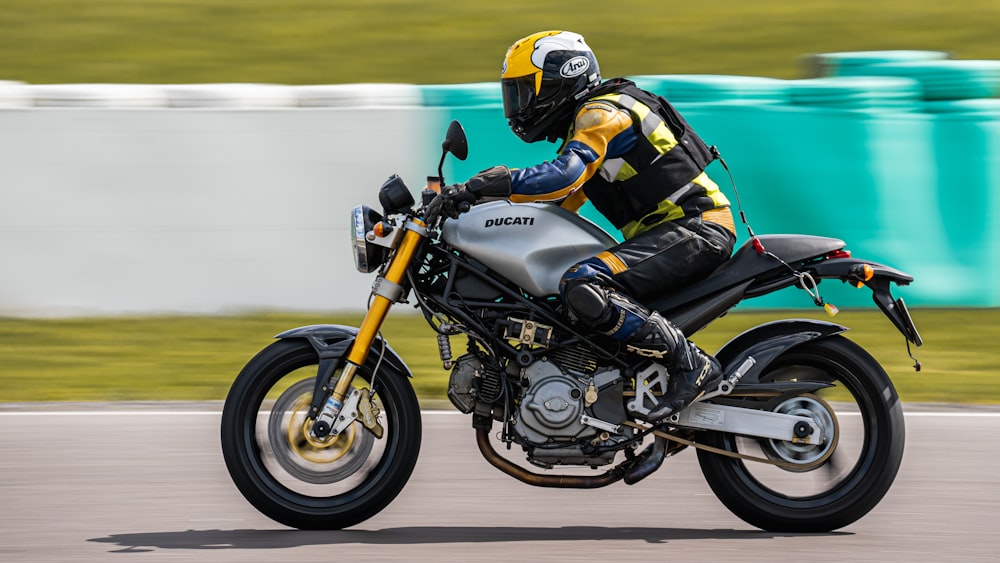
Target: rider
<point x="641" y="165"/>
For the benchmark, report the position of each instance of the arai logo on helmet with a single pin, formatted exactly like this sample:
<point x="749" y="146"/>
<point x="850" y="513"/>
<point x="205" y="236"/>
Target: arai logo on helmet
<point x="574" y="67"/>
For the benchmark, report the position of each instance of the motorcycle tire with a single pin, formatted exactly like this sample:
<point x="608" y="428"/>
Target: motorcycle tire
<point x="296" y="479"/>
<point x="840" y="481"/>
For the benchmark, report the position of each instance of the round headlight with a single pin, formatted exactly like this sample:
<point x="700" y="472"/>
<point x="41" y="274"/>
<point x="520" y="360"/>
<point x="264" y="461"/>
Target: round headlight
<point x="368" y="257"/>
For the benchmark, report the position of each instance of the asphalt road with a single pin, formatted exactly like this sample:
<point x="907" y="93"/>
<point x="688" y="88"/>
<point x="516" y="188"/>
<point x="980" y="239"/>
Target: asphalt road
<point x="147" y="483"/>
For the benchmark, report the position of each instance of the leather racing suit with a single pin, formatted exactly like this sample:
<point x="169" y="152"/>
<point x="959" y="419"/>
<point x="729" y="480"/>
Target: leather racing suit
<point x="628" y="161"/>
<point x="640" y="164"/>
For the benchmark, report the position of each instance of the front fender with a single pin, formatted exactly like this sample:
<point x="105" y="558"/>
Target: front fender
<point x="768" y="341"/>
<point x="332" y="342"/>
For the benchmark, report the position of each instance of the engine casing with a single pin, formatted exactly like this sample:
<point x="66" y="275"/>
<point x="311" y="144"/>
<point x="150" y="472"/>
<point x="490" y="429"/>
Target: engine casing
<point x="548" y="420"/>
<point x="551" y="407"/>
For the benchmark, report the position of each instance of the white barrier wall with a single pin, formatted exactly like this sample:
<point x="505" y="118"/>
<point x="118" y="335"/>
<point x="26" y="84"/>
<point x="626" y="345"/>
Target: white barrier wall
<point x="208" y="198"/>
<point x="118" y="211"/>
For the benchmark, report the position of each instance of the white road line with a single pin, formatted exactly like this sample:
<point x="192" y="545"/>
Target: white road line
<point x="954" y="414"/>
<point x="980" y="414"/>
<point x="109" y="413"/>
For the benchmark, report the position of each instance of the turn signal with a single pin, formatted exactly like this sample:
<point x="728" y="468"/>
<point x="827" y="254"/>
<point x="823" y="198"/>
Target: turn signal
<point x="433" y="184"/>
<point x="381" y="229"/>
<point x="860" y="273"/>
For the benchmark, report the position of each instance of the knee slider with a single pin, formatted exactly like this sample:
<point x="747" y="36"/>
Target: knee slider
<point x="587" y="302"/>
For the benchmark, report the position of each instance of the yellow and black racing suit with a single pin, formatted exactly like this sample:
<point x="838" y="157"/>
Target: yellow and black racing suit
<point x="642" y="166"/>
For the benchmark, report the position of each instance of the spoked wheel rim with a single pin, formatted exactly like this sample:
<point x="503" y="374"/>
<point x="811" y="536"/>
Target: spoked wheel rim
<point x="817" y="472"/>
<point x="303" y="455"/>
<point x="329" y="477"/>
<point x="801" y="457"/>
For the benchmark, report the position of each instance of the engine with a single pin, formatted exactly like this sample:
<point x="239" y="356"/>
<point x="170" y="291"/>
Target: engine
<point x="552" y="407"/>
<point x="561" y="416"/>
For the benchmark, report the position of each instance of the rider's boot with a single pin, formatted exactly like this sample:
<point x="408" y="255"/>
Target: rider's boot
<point x="647" y="333"/>
<point x="692" y="371"/>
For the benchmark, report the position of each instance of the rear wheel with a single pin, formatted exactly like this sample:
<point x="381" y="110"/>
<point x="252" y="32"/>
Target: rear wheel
<point x="819" y="487"/>
<point x="297" y="479"/>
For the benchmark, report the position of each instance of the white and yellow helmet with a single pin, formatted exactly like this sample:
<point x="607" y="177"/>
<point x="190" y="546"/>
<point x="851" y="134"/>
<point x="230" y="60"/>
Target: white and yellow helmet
<point x="544" y="76"/>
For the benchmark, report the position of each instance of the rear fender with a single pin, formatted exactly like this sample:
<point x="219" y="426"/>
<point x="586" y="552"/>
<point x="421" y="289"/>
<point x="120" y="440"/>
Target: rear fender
<point x="880" y="284"/>
<point x="766" y="342"/>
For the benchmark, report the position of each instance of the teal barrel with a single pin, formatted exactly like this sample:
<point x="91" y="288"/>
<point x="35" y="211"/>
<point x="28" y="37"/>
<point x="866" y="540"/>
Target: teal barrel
<point x="943" y="79"/>
<point x="966" y="139"/>
<point x="712" y="88"/>
<point x="845" y="63"/>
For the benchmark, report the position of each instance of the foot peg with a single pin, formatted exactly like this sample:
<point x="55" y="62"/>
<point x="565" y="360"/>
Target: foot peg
<point x="728" y="384"/>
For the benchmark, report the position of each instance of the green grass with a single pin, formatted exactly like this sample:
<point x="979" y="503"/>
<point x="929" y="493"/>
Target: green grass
<point x="442" y="41"/>
<point x="196" y="358"/>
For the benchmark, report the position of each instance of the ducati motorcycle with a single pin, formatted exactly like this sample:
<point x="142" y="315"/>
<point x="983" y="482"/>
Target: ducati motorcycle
<point x="321" y="429"/>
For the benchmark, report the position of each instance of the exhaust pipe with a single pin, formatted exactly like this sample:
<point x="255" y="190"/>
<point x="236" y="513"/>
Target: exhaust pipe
<point x="555" y="481"/>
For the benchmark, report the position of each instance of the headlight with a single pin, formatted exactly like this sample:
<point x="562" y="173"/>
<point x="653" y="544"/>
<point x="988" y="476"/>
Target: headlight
<point x="367" y="256"/>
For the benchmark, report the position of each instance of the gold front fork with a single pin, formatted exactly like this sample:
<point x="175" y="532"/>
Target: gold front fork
<point x="400" y="261"/>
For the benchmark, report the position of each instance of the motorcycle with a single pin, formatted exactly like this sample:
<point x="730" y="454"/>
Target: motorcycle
<point x="321" y="429"/>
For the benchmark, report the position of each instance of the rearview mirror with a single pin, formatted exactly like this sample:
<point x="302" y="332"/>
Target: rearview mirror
<point x="455" y="141"/>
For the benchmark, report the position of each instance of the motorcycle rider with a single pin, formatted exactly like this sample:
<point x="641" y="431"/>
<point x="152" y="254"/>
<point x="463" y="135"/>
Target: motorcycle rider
<point x="641" y="165"/>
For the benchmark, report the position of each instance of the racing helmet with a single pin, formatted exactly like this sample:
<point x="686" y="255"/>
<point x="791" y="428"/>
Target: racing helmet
<point x="544" y="76"/>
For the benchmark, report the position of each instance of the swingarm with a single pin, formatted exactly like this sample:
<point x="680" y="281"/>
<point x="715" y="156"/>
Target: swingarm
<point x="749" y="422"/>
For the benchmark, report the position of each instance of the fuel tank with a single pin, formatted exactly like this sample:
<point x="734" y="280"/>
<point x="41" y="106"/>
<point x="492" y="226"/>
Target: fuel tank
<point x="530" y="244"/>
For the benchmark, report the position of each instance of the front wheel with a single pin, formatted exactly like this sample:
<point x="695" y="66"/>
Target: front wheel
<point x="295" y="478"/>
<point x="820" y="487"/>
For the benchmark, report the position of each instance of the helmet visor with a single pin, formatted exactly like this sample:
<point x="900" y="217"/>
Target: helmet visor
<point x="518" y="95"/>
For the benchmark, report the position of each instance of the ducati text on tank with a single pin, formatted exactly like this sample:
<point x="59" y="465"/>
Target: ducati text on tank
<point x="508" y="221"/>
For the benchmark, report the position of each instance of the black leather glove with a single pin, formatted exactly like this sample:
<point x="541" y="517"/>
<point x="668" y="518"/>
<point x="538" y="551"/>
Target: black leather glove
<point x="452" y="201"/>
<point x="458" y="198"/>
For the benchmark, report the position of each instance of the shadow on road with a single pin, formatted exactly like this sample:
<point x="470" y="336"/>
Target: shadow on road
<point x="270" y="539"/>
